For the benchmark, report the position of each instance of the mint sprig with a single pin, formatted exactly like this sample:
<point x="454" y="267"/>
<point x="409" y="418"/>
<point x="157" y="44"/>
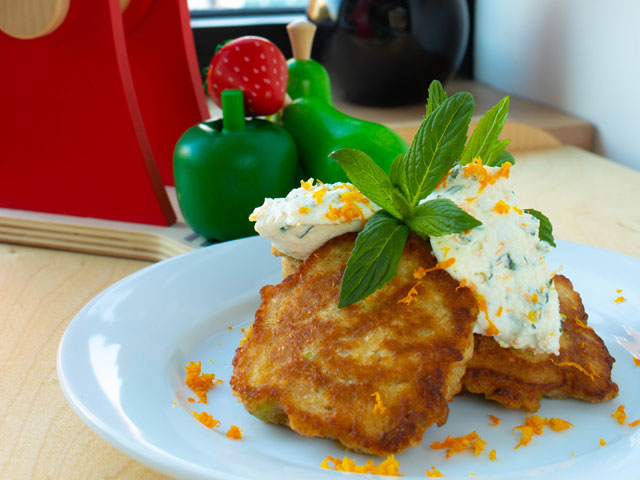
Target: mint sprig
<point x="375" y="257"/>
<point x="438" y="144"/>
<point x="484" y="139"/>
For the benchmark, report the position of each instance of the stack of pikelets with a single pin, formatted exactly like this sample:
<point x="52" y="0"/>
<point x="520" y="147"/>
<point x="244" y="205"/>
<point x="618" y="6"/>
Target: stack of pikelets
<point x="376" y="374"/>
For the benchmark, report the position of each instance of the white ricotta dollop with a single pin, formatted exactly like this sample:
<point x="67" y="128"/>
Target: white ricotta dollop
<point x="311" y="215"/>
<point x="502" y="261"/>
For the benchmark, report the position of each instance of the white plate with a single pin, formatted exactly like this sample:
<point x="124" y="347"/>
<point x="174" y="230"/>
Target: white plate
<point x="121" y="366"/>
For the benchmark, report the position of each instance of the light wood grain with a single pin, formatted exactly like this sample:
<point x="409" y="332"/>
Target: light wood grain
<point x="27" y="19"/>
<point x="40" y="291"/>
<point x="588" y="198"/>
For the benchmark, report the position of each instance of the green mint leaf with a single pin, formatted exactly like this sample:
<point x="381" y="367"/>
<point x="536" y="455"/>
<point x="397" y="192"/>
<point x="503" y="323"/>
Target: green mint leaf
<point x="374" y="259"/>
<point x="437" y="95"/>
<point x="436" y="147"/>
<point x="440" y="217"/>
<point x="493" y="154"/>
<point x="503" y="158"/>
<point x="371" y="180"/>
<point x="486" y="133"/>
<point x="396" y="171"/>
<point x="546" y="229"/>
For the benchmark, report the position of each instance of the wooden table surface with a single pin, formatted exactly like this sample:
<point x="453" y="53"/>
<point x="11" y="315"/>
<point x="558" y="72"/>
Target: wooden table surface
<point x="589" y="200"/>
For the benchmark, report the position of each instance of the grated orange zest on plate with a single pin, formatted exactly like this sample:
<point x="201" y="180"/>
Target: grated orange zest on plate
<point x="534" y="425"/>
<point x="389" y="466"/>
<point x="206" y="419"/>
<point x="620" y="299"/>
<point x="620" y="415"/>
<point x="495" y="421"/>
<point x="636" y="360"/>
<point x="234" y="433"/>
<point x="492" y="455"/>
<point x="200" y="383"/>
<point x="433" y="473"/>
<point x="471" y="441"/>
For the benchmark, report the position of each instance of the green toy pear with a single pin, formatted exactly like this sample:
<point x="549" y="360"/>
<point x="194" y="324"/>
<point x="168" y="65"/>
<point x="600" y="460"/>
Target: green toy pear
<point x="317" y="127"/>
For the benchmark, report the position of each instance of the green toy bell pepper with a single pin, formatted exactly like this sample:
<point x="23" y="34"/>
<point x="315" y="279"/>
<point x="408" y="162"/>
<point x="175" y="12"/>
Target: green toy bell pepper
<point x="224" y="169"/>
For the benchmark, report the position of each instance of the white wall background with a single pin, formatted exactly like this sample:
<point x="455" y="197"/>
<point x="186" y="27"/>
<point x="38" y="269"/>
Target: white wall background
<point x="580" y="56"/>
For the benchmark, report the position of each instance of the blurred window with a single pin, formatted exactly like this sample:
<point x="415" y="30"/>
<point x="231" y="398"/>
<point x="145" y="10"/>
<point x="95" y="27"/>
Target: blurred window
<point x="214" y="6"/>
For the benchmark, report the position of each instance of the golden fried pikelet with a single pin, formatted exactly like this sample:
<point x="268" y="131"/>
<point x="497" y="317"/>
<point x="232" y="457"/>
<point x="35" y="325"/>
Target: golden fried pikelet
<point x="519" y="378"/>
<point x="373" y="375"/>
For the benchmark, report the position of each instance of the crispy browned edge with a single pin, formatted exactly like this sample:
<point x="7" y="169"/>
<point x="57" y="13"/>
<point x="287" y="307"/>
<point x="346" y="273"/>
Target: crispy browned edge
<point x="434" y="375"/>
<point x="519" y="378"/>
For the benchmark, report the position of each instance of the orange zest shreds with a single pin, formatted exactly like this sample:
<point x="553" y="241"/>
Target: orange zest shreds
<point x="308" y="185"/>
<point x="349" y="210"/>
<point x="433" y="473"/>
<point x="620" y="299"/>
<point x="175" y="403"/>
<point x="206" y="419"/>
<point x="532" y="316"/>
<point x="470" y="199"/>
<point x="200" y="383"/>
<point x="421" y="272"/>
<point x="378" y="408"/>
<point x="389" y="466"/>
<point x="591" y="374"/>
<point x="191" y="400"/>
<point x="516" y="209"/>
<point x="501" y="207"/>
<point x="492" y="455"/>
<point x="411" y="296"/>
<point x="304" y="210"/>
<point x="580" y="323"/>
<point x="602" y="442"/>
<point x="558" y="424"/>
<point x="445" y="250"/>
<point x="485" y="178"/>
<point x="319" y="194"/>
<point x="534" y="425"/>
<point x="492" y="330"/>
<point x="620" y="415"/>
<point x="471" y="441"/>
<point x="495" y="421"/>
<point x="234" y="433"/>
<point x="618" y="290"/>
<point x="463" y="284"/>
<point x="636" y="360"/>
<point x="242" y="330"/>
<point x="230" y="327"/>
<point x="635" y="423"/>
<point x="443" y="182"/>
<point x="534" y="297"/>
<point x="499" y="311"/>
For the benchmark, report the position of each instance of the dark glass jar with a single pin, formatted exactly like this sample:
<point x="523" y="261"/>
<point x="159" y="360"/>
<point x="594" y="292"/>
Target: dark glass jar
<point x="386" y="52"/>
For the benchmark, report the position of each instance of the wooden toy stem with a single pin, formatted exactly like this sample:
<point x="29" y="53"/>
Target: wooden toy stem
<point x="301" y="33"/>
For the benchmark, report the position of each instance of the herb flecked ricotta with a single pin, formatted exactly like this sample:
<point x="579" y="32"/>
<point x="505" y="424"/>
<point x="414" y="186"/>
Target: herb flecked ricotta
<point x="311" y="215"/>
<point x="502" y="260"/>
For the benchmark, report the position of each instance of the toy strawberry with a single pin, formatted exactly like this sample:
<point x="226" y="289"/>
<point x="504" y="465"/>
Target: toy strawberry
<point x="255" y="66"/>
